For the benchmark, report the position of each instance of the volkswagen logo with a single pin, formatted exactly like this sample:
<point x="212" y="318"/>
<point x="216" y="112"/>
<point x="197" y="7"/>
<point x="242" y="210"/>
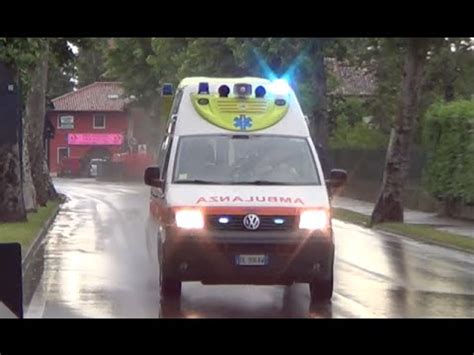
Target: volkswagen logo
<point x="251" y="221"/>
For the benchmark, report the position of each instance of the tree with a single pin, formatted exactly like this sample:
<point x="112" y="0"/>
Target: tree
<point x="20" y="55"/>
<point x="29" y="191"/>
<point x="144" y="64"/>
<point x="127" y="61"/>
<point x="34" y="118"/>
<point x="449" y="71"/>
<point x="12" y="207"/>
<point x="52" y="53"/>
<point x="320" y="126"/>
<point x="31" y="57"/>
<point x="389" y="206"/>
<point x="60" y="79"/>
<point x="91" y="61"/>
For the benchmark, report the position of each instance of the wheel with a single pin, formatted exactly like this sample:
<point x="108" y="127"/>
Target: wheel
<point x="170" y="289"/>
<point x="321" y="290"/>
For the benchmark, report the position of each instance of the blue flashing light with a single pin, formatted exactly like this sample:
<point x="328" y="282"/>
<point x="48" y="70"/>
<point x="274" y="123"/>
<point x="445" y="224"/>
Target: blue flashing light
<point x="223" y="220"/>
<point x="279" y="221"/>
<point x="224" y="91"/>
<point x="167" y="90"/>
<point x="280" y="87"/>
<point x="260" y="91"/>
<point x="203" y="88"/>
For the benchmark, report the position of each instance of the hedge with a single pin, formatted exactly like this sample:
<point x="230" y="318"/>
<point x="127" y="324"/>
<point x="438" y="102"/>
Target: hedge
<point x="448" y="134"/>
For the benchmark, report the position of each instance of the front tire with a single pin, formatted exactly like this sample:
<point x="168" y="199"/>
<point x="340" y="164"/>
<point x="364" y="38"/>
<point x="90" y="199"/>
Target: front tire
<point x="321" y="290"/>
<point x="170" y="289"/>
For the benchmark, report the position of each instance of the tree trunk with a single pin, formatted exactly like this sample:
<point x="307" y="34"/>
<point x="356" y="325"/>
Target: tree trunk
<point x="35" y="115"/>
<point x="52" y="193"/>
<point x="320" y="122"/>
<point x="12" y="208"/>
<point x="449" y="89"/>
<point x="389" y="206"/>
<point x="29" y="192"/>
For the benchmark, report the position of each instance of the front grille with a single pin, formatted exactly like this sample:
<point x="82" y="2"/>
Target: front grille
<point x="241" y="106"/>
<point x="267" y="223"/>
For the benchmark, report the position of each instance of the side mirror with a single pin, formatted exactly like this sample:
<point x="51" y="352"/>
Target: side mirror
<point x="337" y="178"/>
<point x="152" y="177"/>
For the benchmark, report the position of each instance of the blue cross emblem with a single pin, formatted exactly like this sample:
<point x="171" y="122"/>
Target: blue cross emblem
<point x="243" y="122"/>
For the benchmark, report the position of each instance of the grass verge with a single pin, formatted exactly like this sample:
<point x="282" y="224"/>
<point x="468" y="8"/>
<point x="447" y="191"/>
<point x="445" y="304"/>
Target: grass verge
<point x="415" y="231"/>
<point x="26" y="232"/>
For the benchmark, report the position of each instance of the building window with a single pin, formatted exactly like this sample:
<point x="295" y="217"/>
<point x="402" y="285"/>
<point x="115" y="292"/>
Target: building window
<point x="99" y="121"/>
<point x="66" y="122"/>
<point x="63" y="152"/>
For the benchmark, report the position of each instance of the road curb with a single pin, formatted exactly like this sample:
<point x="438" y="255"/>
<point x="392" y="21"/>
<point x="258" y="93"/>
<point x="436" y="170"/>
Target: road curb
<point x="39" y="238"/>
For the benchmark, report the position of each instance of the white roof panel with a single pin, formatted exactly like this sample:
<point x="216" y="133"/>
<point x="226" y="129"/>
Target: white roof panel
<point x="189" y="122"/>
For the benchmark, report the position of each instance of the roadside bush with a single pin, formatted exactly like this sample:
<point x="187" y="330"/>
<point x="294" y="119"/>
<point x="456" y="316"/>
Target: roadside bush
<point x="448" y="135"/>
<point x="359" y="135"/>
<point x="352" y="126"/>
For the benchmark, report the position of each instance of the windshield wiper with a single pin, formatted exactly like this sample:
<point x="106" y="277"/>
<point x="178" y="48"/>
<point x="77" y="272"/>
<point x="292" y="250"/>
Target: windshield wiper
<point x="261" y="182"/>
<point x="197" y="181"/>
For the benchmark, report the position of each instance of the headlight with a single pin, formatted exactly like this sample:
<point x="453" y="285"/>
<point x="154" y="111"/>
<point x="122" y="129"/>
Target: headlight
<point x="189" y="219"/>
<point x="314" y="219"/>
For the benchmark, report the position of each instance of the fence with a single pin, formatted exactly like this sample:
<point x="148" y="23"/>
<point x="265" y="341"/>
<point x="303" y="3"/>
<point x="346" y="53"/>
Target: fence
<point x="365" y="172"/>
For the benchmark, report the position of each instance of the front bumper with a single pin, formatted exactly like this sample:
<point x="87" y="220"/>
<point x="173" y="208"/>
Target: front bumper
<point x="209" y="257"/>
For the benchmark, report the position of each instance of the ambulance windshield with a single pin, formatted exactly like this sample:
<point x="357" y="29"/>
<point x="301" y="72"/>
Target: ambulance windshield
<point x="241" y="159"/>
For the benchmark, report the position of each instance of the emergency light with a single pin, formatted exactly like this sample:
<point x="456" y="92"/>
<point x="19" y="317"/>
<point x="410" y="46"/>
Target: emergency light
<point x="260" y="91"/>
<point x="167" y="90"/>
<point x="242" y="90"/>
<point x="224" y="91"/>
<point x="279" y="87"/>
<point x="203" y="88"/>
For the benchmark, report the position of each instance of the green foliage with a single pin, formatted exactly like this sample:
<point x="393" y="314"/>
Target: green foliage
<point x="144" y="64"/>
<point x="91" y="61"/>
<point x="128" y="61"/>
<point x="350" y="130"/>
<point x="449" y="138"/>
<point x="22" y="54"/>
<point x="359" y="135"/>
<point x="25" y="232"/>
<point x="60" y="80"/>
<point x="449" y="69"/>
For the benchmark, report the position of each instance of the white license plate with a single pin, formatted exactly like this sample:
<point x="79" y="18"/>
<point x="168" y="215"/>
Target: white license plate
<point x="251" y="260"/>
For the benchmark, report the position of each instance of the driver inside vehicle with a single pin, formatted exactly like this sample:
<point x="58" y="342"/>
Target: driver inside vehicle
<point x="198" y="169"/>
<point x="274" y="164"/>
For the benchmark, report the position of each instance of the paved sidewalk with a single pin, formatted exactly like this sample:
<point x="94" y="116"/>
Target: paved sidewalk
<point x="461" y="227"/>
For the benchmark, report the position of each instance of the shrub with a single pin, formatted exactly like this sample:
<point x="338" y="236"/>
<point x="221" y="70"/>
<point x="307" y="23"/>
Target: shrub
<point x="448" y="135"/>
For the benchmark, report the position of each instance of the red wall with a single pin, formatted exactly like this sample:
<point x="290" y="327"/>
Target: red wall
<point x="115" y="122"/>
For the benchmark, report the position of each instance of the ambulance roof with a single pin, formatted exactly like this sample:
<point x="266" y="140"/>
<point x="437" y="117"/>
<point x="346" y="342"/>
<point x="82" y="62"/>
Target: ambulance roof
<point x="231" y="115"/>
<point x="195" y="80"/>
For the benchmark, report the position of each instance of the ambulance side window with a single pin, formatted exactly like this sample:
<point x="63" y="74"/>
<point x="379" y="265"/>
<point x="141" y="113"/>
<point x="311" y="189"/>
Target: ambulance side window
<point x="165" y="156"/>
<point x="162" y="153"/>
<point x="176" y="102"/>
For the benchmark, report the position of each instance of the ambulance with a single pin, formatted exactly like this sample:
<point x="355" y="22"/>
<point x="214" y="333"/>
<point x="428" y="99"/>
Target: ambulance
<point x="239" y="195"/>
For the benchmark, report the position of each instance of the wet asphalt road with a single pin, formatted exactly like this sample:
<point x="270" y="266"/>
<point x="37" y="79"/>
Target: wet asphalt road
<point x="94" y="264"/>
